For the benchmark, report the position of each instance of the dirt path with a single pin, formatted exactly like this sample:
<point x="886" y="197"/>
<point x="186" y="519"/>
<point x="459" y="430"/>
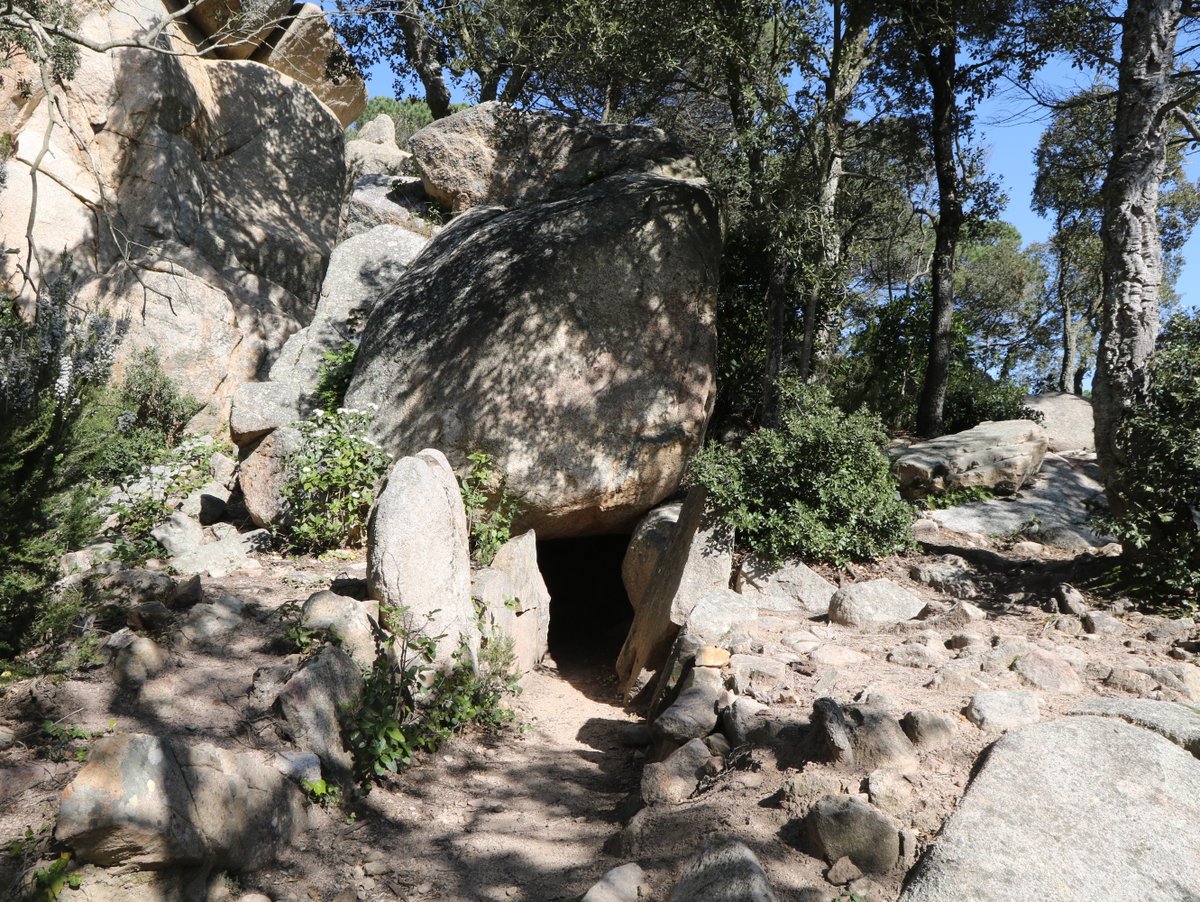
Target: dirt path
<point x="523" y="818"/>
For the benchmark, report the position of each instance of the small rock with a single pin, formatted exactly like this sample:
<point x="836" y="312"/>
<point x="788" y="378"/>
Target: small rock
<point x="928" y="729"/>
<point x="692" y="716"/>
<point x="634" y="735"/>
<point x="859" y="737"/>
<point x="1070" y="600"/>
<point x="916" y="655"/>
<point x="808" y="787"/>
<point x="951" y="575"/>
<point x="889" y="791"/>
<point x="843" y="871"/>
<point x="757" y="673"/>
<point x="138" y="661"/>
<point x="837" y="656"/>
<point x="712" y="656"/>
<point x="1029" y="549"/>
<point x="1047" y="671"/>
<point x="741" y="722"/>
<point x="846" y="826"/>
<point x="1100" y="624"/>
<point x="718" y="745"/>
<point x="961" y="679"/>
<point x="996" y="712"/>
<point x="626" y="883"/>
<point x="672" y="781"/>
<point x="724" y="870"/>
<point x="179" y="534"/>
<point x="874" y="603"/>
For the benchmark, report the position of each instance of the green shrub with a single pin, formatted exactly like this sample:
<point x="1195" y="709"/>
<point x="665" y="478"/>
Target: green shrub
<point x="157" y="492"/>
<point x="1160" y="444"/>
<point x="333" y="377"/>
<point x="490" y="508"/>
<point x="818" y="487"/>
<point x="330" y="483"/>
<point x="408" y="707"/>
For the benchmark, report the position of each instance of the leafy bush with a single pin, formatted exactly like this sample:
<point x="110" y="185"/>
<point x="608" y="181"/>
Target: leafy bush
<point x="1159" y="527"/>
<point x="489" y="506"/>
<point x="407" y="706"/>
<point x="333" y="377"/>
<point x="818" y="487"/>
<point x="330" y="482"/>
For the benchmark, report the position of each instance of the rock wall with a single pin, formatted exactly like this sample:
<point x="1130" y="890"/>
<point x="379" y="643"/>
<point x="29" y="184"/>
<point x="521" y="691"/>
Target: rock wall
<point x="197" y="199"/>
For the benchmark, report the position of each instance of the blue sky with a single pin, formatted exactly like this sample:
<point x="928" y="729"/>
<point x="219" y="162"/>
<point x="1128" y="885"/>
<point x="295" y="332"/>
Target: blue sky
<point x="1010" y="126"/>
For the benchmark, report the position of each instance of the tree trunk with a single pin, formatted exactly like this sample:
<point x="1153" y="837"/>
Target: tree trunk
<point x="779" y="309"/>
<point x="1070" y="336"/>
<point x="848" y="62"/>
<point x="1132" y="265"/>
<point x="424" y="55"/>
<point x="939" y="64"/>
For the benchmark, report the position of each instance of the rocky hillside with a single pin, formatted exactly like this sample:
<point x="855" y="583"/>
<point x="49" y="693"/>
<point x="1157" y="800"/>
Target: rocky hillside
<point x="292" y="672"/>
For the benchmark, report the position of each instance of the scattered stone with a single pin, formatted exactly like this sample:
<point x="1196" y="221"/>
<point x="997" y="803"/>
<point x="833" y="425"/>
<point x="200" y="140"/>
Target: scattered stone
<point x="1100" y="624"/>
<point x="1170" y="629"/>
<point x="674" y="780"/>
<point x="626" y="883"/>
<point x="262" y="474"/>
<point x="1074" y="808"/>
<point x="179" y="534"/>
<point x="712" y="656"/>
<point x="889" y="791"/>
<point x="226" y="555"/>
<point x="755" y="673"/>
<point x="1029" y="549"/>
<point x="805" y="789"/>
<point x="928" y="730"/>
<point x="998" y="711"/>
<point x="846" y="826"/>
<point x="718" y="745"/>
<point x="154" y="803"/>
<point x="742" y="722"/>
<point x="635" y="735"/>
<point x="1047" y="671"/>
<point x="207" y="623"/>
<point x="346" y="621"/>
<point x="792" y="586"/>
<point x="917" y="654"/>
<point x="1126" y="679"/>
<point x="877" y="602"/>
<point x="138" y="661"/>
<point x="858" y="736"/>
<point x="692" y="716"/>
<point x="950" y="574"/>
<point x="1182" y="679"/>
<point x="959" y="678"/>
<point x="843" y="871"/>
<point x="832" y="655"/>
<point x="1070" y="600"/>
<point x="313" y="702"/>
<point x="724" y="870"/>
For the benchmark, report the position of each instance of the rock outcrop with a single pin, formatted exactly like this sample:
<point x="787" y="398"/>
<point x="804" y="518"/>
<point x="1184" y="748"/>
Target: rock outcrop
<point x="573" y="341"/>
<point x="1000" y="456"/>
<point x="1068" y="420"/>
<point x="1077" y="808"/>
<point x="196" y="199"/>
<point x="493" y="154"/>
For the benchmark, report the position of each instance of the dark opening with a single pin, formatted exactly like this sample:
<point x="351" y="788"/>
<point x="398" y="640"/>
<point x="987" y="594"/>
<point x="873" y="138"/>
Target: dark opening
<point x="589" y="610"/>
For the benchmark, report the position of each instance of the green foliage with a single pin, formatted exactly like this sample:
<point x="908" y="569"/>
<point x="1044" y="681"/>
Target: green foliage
<point x="490" y="508"/>
<point x="321" y="793"/>
<point x="333" y="377"/>
<point x="60" y="742"/>
<point x="818" y="487"/>
<point x="155" y="496"/>
<point x="53" y="879"/>
<point x="407" y="706"/>
<point x="886" y="366"/>
<point x="1160" y="446"/>
<point x="330" y="482"/>
<point x="958" y="497"/>
<point x="410" y="115"/>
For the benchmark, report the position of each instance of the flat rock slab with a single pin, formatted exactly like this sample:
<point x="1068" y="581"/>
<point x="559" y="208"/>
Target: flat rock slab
<point x="1080" y="808"/>
<point x="1178" y="723"/>
<point x="1063" y="500"/>
<point x="1069" y="423"/>
<point x="1002" y="456"/>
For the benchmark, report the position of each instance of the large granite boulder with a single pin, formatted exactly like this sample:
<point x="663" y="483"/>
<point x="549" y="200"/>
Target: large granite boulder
<point x="573" y="341"/>
<point x="1078" y="808"/>
<point x="1068" y="420"/>
<point x="1000" y="456"/>
<point x="493" y="154"/>
<point x="197" y="199"/>
<point x="305" y="48"/>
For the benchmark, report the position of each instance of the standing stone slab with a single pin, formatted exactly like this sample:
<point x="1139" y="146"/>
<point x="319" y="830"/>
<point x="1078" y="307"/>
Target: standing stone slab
<point x="787" y="587"/>
<point x="699" y="557"/>
<point x="1079" y="808"/>
<point x="418" y="559"/>
<point x="649" y="541"/>
<point x="517" y="559"/>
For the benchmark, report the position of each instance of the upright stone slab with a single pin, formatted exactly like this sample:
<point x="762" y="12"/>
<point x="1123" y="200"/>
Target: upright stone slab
<point x="646" y="546"/>
<point x="1078" y="808"/>
<point x="418" y="559"/>
<point x="516" y="600"/>
<point x="699" y="557"/>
